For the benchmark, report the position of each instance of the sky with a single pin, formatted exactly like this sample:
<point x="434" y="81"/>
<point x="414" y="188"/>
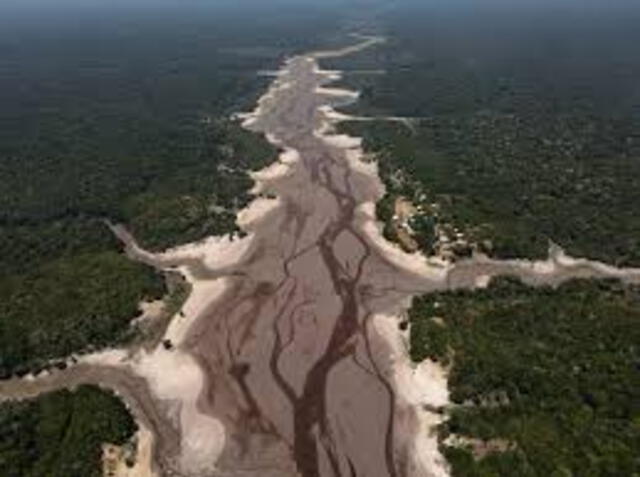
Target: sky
<point x="39" y="10"/>
<point x="302" y="3"/>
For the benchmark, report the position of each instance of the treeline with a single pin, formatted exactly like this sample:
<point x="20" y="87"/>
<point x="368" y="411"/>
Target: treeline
<point x="550" y="372"/>
<point x="61" y="434"/>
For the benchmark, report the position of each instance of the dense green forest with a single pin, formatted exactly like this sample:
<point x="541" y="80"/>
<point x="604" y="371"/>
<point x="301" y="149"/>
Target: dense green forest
<point x="551" y="372"/>
<point x="60" y="434"/>
<point x="527" y="124"/>
<point x="122" y="115"/>
<point x="70" y="305"/>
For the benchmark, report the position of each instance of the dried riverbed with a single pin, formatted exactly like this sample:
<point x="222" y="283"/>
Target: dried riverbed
<point x="289" y="360"/>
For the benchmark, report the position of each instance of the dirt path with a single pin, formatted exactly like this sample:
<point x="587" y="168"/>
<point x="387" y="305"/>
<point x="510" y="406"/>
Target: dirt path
<point x="297" y="356"/>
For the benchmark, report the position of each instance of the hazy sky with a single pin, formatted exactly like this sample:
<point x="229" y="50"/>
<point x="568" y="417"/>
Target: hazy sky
<point x="37" y="10"/>
<point x="302" y="3"/>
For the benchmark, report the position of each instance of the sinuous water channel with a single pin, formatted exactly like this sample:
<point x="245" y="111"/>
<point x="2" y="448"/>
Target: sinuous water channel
<point x="292" y="366"/>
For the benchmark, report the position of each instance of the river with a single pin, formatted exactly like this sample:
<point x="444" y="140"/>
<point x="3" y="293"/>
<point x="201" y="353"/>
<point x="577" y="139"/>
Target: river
<point x="294" y="366"/>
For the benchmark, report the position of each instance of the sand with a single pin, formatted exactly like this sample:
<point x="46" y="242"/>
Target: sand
<point x="176" y="379"/>
<point x="415" y="263"/>
<point x="417" y="387"/>
<point x="175" y="376"/>
<point x="277" y="170"/>
<point x="202" y="293"/>
<point x="114" y="457"/>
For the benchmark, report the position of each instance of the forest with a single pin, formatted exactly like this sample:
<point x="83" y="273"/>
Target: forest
<point x="61" y="434"/>
<point x="125" y="116"/>
<point x="551" y="373"/>
<point x="525" y="125"/>
<point x="512" y="195"/>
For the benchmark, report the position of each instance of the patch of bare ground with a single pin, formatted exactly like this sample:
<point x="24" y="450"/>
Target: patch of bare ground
<point x="132" y="460"/>
<point x="404" y="211"/>
<point x="480" y="448"/>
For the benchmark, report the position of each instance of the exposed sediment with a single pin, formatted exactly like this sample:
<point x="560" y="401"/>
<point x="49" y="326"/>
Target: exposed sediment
<point x="288" y="360"/>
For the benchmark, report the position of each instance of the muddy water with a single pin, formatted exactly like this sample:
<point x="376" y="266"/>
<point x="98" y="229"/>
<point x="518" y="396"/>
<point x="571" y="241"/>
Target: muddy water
<point x="293" y="363"/>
